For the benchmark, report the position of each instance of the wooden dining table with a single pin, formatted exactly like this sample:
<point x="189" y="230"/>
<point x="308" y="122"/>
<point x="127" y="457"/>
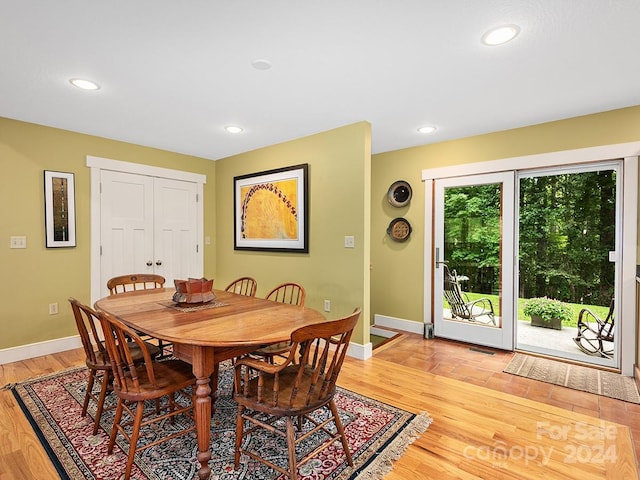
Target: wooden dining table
<point x="205" y="335"/>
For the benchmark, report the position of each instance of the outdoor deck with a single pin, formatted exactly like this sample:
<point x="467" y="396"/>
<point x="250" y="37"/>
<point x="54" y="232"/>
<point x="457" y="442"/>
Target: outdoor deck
<point x="552" y="342"/>
<point x="560" y="340"/>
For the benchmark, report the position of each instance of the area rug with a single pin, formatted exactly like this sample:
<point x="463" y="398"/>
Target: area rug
<point x="577" y="377"/>
<point x="377" y="433"/>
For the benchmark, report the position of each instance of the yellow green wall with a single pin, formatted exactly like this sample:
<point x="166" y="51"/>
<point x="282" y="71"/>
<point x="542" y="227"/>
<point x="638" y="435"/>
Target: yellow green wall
<point x="397" y="282"/>
<point x="35" y="277"/>
<point x="339" y="183"/>
<point x="339" y="196"/>
<point x="348" y="190"/>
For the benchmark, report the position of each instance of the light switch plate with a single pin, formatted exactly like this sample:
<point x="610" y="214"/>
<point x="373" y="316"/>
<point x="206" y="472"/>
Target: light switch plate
<point x="18" y="242"/>
<point x="349" y="241"/>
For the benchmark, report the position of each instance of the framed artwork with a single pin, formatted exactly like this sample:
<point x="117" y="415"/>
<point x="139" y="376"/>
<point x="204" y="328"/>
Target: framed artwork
<point x="59" y="209"/>
<point x="271" y="210"/>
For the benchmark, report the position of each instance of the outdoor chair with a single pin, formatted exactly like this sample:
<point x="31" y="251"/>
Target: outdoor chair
<point x="480" y="310"/>
<point x="134" y="282"/>
<point x="593" y="332"/>
<point x="138" y="382"/>
<point x="295" y="389"/>
<point x="96" y="357"/>
<point x="243" y="286"/>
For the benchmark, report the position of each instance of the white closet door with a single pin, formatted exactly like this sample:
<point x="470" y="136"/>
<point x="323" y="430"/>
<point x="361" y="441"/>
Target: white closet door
<point x="175" y="229"/>
<point x="126" y="225"/>
<point x="148" y="225"/>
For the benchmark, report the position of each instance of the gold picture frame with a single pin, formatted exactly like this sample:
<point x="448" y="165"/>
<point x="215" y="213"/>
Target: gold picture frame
<point x="271" y="210"/>
<point x="59" y="209"/>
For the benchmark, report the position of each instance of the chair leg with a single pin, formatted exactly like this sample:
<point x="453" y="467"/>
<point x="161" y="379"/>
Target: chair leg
<point x="101" y="398"/>
<point x="291" y="447"/>
<point x="239" y="433"/>
<point x="87" y="396"/>
<point x="213" y="385"/>
<point x="114" y="429"/>
<point x="133" y="442"/>
<point x="340" y="427"/>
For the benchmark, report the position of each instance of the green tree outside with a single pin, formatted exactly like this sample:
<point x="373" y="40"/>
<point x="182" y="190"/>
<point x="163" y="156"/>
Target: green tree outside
<point x="566" y="229"/>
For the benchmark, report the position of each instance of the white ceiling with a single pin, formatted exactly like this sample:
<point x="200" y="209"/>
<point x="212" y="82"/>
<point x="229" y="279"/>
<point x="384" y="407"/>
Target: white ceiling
<point x="174" y="73"/>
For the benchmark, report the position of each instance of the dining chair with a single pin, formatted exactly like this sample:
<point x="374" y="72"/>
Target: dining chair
<point x="293" y="294"/>
<point x="134" y="282"/>
<point x="135" y="383"/>
<point x="96" y="357"/>
<point x="243" y="286"/>
<point x="295" y="389"/>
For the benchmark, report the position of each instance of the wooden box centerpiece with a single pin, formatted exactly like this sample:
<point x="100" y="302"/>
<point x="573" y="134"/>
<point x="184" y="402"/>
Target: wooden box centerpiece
<point x="193" y="291"/>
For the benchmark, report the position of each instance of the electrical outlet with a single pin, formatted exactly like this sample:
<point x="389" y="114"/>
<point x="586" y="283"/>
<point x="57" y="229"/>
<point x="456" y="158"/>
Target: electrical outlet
<point x="327" y="305"/>
<point x="53" y="309"/>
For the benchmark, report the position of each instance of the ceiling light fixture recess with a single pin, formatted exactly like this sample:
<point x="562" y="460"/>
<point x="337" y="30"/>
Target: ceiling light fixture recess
<point x="500" y="35"/>
<point x="84" y="84"/>
<point x="233" y="129"/>
<point x="427" y="129"/>
<point x="261" y="64"/>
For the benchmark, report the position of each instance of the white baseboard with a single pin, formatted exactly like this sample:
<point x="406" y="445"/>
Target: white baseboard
<point x="24" y="352"/>
<point x="398" y="324"/>
<point x="361" y="352"/>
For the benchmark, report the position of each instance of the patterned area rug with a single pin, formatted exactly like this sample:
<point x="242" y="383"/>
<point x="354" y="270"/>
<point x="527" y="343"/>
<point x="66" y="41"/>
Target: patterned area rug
<point x="378" y="434"/>
<point x="586" y="379"/>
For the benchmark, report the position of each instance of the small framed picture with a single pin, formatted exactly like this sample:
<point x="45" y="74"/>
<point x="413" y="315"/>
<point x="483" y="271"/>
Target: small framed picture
<point x="271" y="210"/>
<point x="59" y="209"/>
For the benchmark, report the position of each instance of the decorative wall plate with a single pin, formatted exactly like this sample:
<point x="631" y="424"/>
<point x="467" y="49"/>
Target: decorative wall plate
<point x="399" y="229"/>
<point x="399" y="193"/>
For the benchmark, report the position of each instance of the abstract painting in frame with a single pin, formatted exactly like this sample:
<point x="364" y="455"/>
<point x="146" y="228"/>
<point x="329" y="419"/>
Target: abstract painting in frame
<point x="271" y="210"/>
<point x="59" y="209"/>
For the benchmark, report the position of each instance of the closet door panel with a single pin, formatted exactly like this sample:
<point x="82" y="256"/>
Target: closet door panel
<point x="126" y="224"/>
<point x="175" y="227"/>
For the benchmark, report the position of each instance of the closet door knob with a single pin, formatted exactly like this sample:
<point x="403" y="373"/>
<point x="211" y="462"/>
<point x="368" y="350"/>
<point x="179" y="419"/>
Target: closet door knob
<point x="158" y="262"/>
<point x="149" y="263"/>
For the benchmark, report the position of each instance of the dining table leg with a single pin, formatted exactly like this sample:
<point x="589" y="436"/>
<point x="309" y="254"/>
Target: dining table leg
<point x="203" y="367"/>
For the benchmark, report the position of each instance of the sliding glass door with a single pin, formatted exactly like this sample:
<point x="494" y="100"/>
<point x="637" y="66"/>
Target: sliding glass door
<point x="473" y="268"/>
<point x="502" y="262"/>
<point x="567" y="257"/>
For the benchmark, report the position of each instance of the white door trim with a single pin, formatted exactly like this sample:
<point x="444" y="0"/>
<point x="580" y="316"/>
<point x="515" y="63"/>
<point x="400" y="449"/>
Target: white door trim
<point x="97" y="164"/>
<point x="627" y="151"/>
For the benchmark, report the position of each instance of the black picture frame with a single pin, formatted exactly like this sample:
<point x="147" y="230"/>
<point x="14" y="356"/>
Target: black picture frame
<point x="271" y="210"/>
<point x="59" y="209"/>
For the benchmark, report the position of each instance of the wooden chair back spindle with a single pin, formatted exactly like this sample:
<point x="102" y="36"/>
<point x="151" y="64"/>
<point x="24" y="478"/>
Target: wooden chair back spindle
<point x="243" y="286"/>
<point x="134" y="282"/>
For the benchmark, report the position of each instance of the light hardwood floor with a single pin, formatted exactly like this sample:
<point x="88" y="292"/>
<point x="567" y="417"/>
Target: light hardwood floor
<point x="486" y="424"/>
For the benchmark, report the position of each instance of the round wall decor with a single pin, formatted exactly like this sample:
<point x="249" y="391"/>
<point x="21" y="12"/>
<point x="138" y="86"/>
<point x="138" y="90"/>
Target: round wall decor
<point x="399" y="229"/>
<point x="399" y="193"/>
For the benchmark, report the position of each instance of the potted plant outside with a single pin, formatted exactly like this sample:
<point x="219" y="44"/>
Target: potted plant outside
<point x="547" y="312"/>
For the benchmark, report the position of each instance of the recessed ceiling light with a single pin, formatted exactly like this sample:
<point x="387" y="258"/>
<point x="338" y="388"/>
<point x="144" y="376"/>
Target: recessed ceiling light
<point x="233" y="129"/>
<point x="84" y="84"/>
<point x="261" y="64"/>
<point x="500" y="35"/>
<point x="427" y="129"/>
